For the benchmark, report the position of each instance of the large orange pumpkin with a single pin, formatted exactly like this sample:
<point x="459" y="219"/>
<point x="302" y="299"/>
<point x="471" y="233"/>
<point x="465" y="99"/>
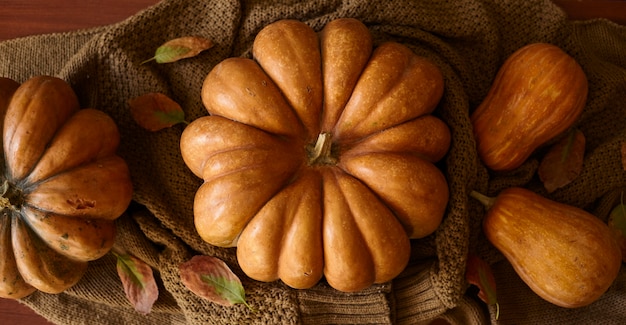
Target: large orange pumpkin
<point x="318" y="156"/>
<point x="62" y="186"/>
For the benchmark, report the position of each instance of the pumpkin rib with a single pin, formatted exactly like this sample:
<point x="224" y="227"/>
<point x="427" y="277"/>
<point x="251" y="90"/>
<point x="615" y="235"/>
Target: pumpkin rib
<point x="415" y="189"/>
<point x="235" y="88"/>
<point x="94" y="190"/>
<point x="346" y="47"/>
<point x="292" y="60"/>
<point x="12" y="284"/>
<point x="286" y="169"/>
<point x="291" y="269"/>
<point x="41" y="266"/>
<point x="65" y="234"/>
<point x="27" y="187"/>
<point x="7" y="89"/>
<point x="99" y="137"/>
<point x="385" y="232"/>
<point x="25" y="137"/>
<point x="231" y="170"/>
<point x="259" y="262"/>
<point x="426" y="136"/>
<point x="256" y="169"/>
<point x="345" y="248"/>
<point x="215" y="212"/>
<point x="376" y="105"/>
<point x="239" y="146"/>
<point x="271" y="247"/>
<point x="203" y="139"/>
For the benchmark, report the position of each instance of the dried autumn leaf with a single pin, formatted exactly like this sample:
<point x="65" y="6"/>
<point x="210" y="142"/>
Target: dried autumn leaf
<point x="210" y="278"/>
<point x="617" y="222"/>
<point x="479" y="273"/>
<point x="180" y="48"/>
<point x="564" y="162"/>
<point x="156" y="111"/>
<point x="138" y="282"/>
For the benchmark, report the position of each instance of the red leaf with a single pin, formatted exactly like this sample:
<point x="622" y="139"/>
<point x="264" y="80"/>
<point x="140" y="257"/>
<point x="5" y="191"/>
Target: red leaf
<point x="156" y="111"/>
<point x="210" y="278"/>
<point x="479" y="273"/>
<point x="564" y="162"/>
<point x="138" y="282"/>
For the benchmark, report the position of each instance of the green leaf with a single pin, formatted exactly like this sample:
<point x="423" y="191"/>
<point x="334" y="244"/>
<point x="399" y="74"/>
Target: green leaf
<point x="180" y="48"/>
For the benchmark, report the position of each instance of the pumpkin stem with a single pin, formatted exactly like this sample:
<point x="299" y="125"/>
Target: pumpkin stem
<point x="321" y="152"/>
<point x="487" y="201"/>
<point x="10" y="197"/>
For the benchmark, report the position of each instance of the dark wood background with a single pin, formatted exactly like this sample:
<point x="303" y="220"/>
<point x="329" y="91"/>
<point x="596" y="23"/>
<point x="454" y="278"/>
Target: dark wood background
<point x="31" y="17"/>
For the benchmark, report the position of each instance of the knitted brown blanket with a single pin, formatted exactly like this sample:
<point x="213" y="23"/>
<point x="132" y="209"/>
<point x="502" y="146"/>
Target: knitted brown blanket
<point x="467" y="39"/>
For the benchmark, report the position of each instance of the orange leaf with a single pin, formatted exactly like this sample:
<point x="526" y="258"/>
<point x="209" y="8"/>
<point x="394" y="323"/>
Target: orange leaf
<point x="564" y="162"/>
<point x="156" y="111"/>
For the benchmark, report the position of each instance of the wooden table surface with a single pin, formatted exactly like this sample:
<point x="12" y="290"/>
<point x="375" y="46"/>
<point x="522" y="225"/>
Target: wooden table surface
<point x="31" y="17"/>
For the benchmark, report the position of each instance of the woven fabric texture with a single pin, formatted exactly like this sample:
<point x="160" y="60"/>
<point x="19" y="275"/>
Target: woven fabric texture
<point x="467" y="39"/>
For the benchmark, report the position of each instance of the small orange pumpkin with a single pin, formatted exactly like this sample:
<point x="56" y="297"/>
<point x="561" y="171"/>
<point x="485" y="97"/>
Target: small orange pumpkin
<point x="566" y="255"/>
<point x="539" y="92"/>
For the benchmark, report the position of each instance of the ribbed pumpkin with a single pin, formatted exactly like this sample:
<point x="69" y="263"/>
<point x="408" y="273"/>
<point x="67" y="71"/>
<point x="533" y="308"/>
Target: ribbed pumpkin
<point x="62" y="186"/>
<point x="318" y="155"/>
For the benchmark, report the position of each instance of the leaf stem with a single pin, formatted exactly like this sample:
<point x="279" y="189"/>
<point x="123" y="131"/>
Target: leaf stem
<point x="148" y="60"/>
